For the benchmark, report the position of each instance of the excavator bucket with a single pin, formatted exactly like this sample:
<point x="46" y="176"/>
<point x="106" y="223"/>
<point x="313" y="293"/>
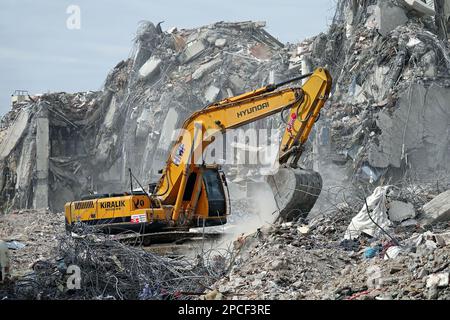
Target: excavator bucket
<point x="295" y="191"/>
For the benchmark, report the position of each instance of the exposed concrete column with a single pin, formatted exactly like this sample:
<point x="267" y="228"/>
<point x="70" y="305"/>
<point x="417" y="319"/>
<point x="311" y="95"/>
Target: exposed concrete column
<point x="40" y="199"/>
<point x="306" y="66"/>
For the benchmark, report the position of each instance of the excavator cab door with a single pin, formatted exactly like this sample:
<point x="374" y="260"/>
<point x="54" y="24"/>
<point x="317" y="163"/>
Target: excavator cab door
<point x="214" y="193"/>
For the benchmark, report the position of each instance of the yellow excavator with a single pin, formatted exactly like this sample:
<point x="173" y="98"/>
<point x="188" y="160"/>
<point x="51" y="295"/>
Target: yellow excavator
<point x="191" y="193"/>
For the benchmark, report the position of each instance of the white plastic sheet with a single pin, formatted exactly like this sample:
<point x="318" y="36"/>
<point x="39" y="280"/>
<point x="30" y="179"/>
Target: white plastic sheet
<point x="361" y="223"/>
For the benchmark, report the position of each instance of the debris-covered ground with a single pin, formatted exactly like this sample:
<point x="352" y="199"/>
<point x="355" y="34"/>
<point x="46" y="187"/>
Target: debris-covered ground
<point x="45" y="261"/>
<point x="32" y="234"/>
<point x="313" y="260"/>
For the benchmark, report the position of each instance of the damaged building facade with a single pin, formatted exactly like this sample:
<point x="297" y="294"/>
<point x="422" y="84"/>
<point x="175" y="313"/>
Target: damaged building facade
<point x="388" y="114"/>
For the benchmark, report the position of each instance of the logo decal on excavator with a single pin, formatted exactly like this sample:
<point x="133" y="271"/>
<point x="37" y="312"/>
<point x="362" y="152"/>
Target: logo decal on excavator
<point x="290" y="124"/>
<point x="138" y="203"/>
<point x="252" y="109"/>
<point x="112" y="204"/>
<point x="178" y="154"/>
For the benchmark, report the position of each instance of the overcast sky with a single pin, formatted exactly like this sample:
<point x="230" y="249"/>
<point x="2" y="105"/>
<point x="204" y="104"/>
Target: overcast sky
<point x="39" y="53"/>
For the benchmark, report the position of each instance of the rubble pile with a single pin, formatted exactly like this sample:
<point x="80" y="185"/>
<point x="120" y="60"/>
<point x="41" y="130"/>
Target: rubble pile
<point x="388" y="114"/>
<point x="312" y="259"/>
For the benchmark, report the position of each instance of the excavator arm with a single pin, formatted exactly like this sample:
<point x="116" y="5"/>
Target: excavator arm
<point x="304" y="105"/>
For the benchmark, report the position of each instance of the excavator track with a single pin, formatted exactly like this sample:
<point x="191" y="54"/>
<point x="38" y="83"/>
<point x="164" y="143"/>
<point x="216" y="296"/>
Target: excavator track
<point x="295" y="191"/>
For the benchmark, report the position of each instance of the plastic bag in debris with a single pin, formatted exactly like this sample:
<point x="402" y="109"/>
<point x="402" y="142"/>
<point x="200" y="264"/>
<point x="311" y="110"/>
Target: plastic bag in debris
<point x="361" y="223"/>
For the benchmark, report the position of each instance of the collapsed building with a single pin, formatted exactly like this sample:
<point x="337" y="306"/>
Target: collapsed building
<point x="58" y="146"/>
<point x="388" y="116"/>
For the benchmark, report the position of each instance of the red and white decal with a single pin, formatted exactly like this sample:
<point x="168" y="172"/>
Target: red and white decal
<point x="138" y="218"/>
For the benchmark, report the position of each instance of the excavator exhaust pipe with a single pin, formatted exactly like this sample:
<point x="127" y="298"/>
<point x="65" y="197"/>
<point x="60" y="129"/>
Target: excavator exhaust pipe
<point x="295" y="191"/>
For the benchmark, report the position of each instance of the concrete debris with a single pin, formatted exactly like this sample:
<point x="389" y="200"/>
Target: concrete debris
<point x="439" y="280"/>
<point x="31" y="235"/>
<point x="392" y="252"/>
<point x="150" y="68"/>
<point x="399" y="211"/>
<point x="318" y="265"/>
<point x="205" y="68"/>
<point x="15" y="245"/>
<point x="437" y="209"/>
<point x="420" y="7"/>
<point x="387" y="113"/>
<point x="220" y="43"/>
<point x="440" y="239"/>
<point x="388" y="17"/>
<point x="211" y="93"/>
<point x="192" y="51"/>
<point x="12" y="135"/>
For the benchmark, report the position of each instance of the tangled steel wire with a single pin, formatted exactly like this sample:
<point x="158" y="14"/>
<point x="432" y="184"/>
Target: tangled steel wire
<point x="110" y="269"/>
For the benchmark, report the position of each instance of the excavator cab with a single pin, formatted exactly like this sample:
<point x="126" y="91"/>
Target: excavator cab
<point x="212" y="208"/>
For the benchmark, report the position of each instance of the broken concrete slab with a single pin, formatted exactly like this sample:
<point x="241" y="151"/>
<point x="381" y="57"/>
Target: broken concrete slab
<point x="416" y="129"/>
<point x="439" y="280"/>
<point x="150" y="68"/>
<point x="237" y="82"/>
<point x="205" y="68"/>
<point x="25" y="169"/>
<point x="109" y="117"/>
<point x="385" y="17"/>
<point x="14" y="133"/>
<point x="193" y="50"/>
<point x="420" y="7"/>
<point x="437" y="209"/>
<point x="143" y="127"/>
<point x="261" y="51"/>
<point x="399" y="211"/>
<point x="220" y="43"/>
